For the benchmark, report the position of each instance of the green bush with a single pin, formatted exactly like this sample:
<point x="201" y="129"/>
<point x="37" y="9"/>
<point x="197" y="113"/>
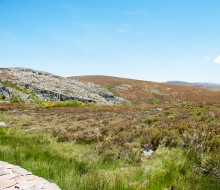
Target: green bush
<point x="2" y="97"/>
<point x="16" y="87"/>
<point x="150" y="120"/>
<point x="112" y="90"/>
<point x="16" y="99"/>
<point x="81" y="167"/>
<point x="153" y="101"/>
<point x="70" y="103"/>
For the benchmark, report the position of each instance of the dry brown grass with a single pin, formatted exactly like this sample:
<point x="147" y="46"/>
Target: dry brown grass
<point x="126" y="126"/>
<point x="119" y="134"/>
<point x="139" y="91"/>
<point x="9" y="106"/>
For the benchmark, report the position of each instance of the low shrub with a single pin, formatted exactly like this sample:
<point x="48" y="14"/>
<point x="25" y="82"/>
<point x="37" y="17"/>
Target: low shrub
<point x="2" y="97"/>
<point x="81" y="167"/>
<point x="70" y="103"/>
<point x="153" y="101"/>
<point x="16" y="99"/>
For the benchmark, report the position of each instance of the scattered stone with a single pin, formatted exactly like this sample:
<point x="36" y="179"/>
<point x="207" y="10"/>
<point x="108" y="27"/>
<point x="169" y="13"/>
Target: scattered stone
<point x="123" y="87"/>
<point x="2" y="124"/>
<point x="148" y="152"/>
<point x="156" y="109"/>
<point x="32" y="129"/>
<point x="153" y="91"/>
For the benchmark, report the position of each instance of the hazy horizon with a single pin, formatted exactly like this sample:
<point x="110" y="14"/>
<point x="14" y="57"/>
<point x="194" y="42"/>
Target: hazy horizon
<point x="148" y="40"/>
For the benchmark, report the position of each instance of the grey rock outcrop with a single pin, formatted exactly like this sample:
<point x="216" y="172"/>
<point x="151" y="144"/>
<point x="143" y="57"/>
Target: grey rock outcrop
<point x="5" y="92"/>
<point x="49" y="87"/>
<point x="8" y="93"/>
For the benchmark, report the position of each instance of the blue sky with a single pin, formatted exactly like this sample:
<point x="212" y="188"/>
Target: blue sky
<point x="155" y="40"/>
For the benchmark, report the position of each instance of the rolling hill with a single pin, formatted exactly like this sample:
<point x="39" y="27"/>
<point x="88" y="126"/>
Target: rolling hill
<point x="22" y="85"/>
<point x="196" y="84"/>
<point x="139" y="91"/>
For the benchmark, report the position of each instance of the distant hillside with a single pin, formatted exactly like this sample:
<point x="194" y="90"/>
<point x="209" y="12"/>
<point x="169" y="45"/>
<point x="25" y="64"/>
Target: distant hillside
<point x="180" y="83"/>
<point x="197" y="84"/>
<point x="31" y="86"/>
<point x="143" y="91"/>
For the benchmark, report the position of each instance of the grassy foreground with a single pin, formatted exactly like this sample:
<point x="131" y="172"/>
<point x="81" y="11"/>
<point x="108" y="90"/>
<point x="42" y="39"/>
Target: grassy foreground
<point x="74" y="164"/>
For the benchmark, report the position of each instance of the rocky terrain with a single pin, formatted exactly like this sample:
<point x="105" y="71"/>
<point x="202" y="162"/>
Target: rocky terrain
<point x="32" y="86"/>
<point x="13" y="177"/>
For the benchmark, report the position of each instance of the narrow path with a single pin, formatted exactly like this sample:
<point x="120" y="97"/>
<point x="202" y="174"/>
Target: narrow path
<point x="15" y="178"/>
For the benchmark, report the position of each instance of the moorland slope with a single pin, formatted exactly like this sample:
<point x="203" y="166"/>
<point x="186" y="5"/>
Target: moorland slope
<point x="144" y="91"/>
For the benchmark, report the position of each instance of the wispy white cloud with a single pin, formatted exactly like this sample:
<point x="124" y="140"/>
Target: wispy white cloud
<point x="217" y="60"/>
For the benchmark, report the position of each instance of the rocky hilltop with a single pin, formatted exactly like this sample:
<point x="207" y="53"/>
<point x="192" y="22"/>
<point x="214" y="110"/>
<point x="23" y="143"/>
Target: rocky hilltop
<point x="31" y="86"/>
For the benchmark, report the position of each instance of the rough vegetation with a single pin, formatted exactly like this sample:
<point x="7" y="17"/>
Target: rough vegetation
<point x="101" y="147"/>
<point x="140" y="92"/>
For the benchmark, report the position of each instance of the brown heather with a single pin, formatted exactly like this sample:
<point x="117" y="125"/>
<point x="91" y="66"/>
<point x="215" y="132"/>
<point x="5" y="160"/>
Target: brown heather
<point x="107" y="143"/>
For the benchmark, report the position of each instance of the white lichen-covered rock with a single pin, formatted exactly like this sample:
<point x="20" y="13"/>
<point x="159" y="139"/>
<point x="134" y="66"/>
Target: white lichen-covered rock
<point x="148" y="152"/>
<point x="49" y="87"/>
<point x="2" y="124"/>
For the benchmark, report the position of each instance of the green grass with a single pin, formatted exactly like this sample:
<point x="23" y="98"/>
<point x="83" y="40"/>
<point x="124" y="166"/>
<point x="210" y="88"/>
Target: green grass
<point x="112" y="90"/>
<point x="153" y="101"/>
<point x="70" y="103"/>
<point x="79" y="166"/>
<point x="2" y="97"/>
